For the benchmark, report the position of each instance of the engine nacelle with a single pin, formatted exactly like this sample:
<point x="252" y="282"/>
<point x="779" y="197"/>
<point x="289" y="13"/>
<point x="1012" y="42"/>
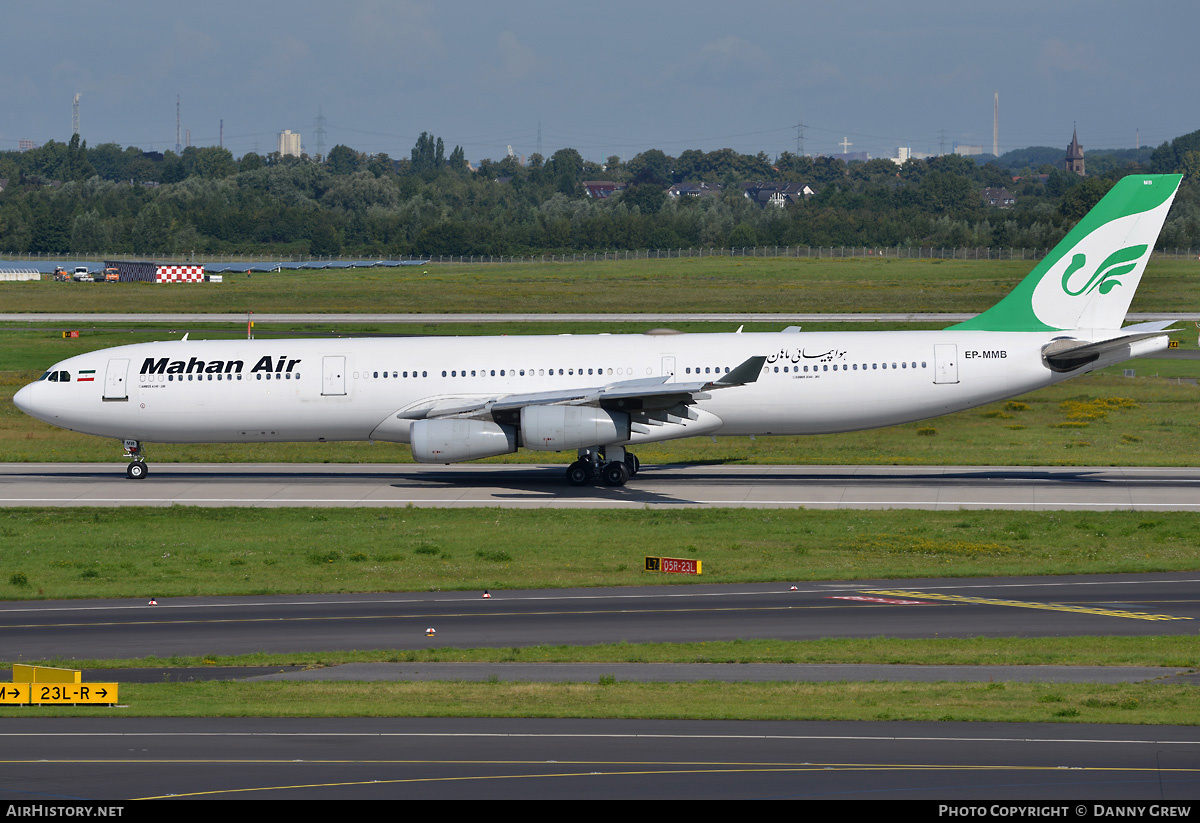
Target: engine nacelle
<point x="453" y="441"/>
<point x="558" y="428"/>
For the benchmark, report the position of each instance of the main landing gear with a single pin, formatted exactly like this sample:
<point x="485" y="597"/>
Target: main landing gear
<point x="613" y="465"/>
<point x="137" y="469"/>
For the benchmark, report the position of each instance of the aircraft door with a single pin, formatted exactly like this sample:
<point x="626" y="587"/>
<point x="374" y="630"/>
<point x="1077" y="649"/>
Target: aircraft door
<point x="945" y="363"/>
<point x="668" y="366"/>
<point x="333" y="376"/>
<point x="114" y="380"/>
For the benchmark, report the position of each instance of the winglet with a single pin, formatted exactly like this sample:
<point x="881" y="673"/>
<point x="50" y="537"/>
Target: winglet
<point x="747" y="372"/>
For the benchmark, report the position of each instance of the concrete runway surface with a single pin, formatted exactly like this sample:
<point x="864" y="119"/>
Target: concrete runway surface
<point x="541" y="486"/>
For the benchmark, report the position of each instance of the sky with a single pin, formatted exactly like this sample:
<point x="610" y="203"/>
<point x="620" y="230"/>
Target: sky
<point x="611" y="78"/>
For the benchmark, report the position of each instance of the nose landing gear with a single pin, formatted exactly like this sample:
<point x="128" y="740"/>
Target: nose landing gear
<point x="137" y="469"/>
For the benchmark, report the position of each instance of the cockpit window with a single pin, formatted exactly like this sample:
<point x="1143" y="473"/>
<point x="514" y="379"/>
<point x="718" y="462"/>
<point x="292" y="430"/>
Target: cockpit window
<point x="45" y="376"/>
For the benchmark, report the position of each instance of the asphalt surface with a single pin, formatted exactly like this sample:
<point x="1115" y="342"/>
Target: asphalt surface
<point x="63" y="761"/>
<point x="1124" y="605"/>
<point x="92" y="760"/>
<point x="667" y="486"/>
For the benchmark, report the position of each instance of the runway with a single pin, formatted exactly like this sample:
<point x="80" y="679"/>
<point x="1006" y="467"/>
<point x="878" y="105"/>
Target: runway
<point x="1065" y="606"/>
<point x="1100" y="488"/>
<point x="63" y="761"/>
<point x="67" y="760"/>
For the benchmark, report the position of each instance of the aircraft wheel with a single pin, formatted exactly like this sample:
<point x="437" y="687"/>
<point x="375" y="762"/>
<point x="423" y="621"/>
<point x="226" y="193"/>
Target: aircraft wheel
<point x="615" y="473"/>
<point x="136" y="470"/>
<point x="578" y="473"/>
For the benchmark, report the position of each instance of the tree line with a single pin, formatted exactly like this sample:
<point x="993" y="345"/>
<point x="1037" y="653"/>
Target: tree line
<point x="71" y="198"/>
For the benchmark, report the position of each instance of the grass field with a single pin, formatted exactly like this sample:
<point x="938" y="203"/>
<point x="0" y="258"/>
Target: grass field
<point x="179" y="551"/>
<point x="689" y="285"/>
<point x="1140" y="703"/>
<point x="1176" y="651"/>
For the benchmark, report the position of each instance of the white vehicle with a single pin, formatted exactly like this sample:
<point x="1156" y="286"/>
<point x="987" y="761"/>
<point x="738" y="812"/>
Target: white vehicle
<point x="82" y="275"/>
<point x="462" y="398"/>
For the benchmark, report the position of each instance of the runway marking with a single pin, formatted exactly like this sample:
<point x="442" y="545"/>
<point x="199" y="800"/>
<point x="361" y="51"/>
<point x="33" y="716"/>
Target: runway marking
<point x="501" y="596"/>
<point x="888" y="601"/>
<point x="398" y="617"/>
<point x="1024" y="604"/>
<point x="662" y="770"/>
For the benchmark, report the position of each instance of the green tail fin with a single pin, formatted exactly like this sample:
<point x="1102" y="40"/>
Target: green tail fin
<point x="1067" y="289"/>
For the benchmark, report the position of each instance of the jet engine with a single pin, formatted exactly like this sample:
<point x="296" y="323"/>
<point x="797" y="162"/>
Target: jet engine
<point x="453" y="441"/>
<point x="559" y="428"/>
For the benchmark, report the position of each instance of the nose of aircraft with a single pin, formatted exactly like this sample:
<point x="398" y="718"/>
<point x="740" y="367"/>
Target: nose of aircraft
<point x="23" y="399"/>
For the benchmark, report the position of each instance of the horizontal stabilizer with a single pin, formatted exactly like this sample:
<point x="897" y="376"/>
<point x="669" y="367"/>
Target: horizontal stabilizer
<point x="1068" y="355"/>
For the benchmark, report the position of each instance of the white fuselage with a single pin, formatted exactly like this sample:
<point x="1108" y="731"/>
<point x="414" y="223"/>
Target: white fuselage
<point x="353" y="389"/>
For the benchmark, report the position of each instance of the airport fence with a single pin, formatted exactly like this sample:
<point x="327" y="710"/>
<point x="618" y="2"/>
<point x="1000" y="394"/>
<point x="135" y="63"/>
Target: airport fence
<point x="804" y="252"/>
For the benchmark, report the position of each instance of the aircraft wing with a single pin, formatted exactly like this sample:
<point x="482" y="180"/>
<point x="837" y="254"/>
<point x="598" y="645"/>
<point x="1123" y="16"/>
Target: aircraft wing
<point x="643" y="394"/>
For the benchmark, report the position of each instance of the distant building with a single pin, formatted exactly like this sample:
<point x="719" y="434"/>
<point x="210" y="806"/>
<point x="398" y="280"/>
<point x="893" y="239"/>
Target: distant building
<point x="967" y="151"/>
<point x="692" y="189"/>
<point x="1000" y="198"/>
<point x="904" y="154"/>
<point x="601" y="189"/>
<point x="289" y="143"/>
<point x="776" y="194"/>
<point x="1074" y="161"/>
<point x="3" y="183"/>
<point x="25" y="145"/>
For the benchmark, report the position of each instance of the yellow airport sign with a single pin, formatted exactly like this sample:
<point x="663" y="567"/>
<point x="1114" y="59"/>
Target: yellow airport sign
<point x="58" y="693"/>
<point x="45" y="674"/>
<point x="14" y="694"/>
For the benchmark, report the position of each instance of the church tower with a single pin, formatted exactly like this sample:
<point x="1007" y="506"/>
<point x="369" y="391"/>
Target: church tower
<point x="1075" y="155"/>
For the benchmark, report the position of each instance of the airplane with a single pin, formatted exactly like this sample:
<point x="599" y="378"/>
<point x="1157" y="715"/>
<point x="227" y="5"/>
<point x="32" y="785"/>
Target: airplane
<point x="454" y="399"/>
